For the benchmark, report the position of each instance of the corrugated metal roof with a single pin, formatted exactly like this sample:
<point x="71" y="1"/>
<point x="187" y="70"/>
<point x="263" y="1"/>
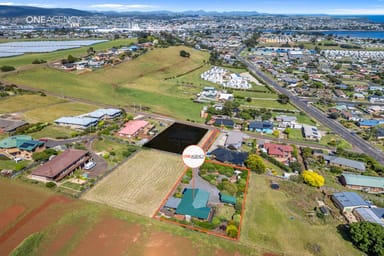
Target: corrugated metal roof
<point x="345" y="162"/>
<point x="104" y="111"/>
<point x="14" y="141"/>
<point x="173" y="202"/>
<point x="227" y="199"/>
<point x="194" y="203"/>
<point x="368" y="215"/>
<point x="362" y="180"/>
<point x="74" y="120"/>
<point x="349" y="199"/>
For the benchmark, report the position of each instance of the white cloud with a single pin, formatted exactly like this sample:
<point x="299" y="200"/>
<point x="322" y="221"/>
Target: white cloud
<point x="377" y="11"/>
<point x="122" y="7"/>
<point x="32" y="5"/>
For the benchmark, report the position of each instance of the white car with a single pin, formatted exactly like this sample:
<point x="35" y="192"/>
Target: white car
<point x="89" y="165"/>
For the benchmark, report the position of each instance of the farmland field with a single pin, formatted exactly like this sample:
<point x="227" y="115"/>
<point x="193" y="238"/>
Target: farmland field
<point x="132" y="82"/>
<point x="140" y="184"/>
<point x="38" y="222"/>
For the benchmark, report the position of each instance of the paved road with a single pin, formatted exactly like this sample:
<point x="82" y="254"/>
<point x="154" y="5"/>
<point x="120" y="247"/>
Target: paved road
<point x="317" y="114"/>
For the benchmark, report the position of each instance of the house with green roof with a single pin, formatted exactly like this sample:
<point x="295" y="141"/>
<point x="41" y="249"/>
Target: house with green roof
<point x="20" y="146"/>
<point x="194" y="203"/>
<point x="364" y="183"/>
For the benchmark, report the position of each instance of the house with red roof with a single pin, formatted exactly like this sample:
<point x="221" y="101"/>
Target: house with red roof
<point x="282" y="153"/>
<point x="133" y="128"/>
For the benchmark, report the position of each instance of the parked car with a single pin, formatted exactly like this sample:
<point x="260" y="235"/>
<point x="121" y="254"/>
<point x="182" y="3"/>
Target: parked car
<point x="89" y="165"/>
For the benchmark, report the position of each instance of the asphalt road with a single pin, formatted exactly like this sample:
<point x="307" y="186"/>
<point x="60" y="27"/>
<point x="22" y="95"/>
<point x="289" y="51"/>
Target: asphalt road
<point x="336" y="127"/>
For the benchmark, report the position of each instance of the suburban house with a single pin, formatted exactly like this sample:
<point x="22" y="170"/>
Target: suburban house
<point x="105" y="113"/>
<point x="133" y="128"/>
<point x="194" y="204"/>
<point x="364" y="183"/>
<point x="7" y="125"/>
<point x="348" y="201"/>
<point x="76" y="122"/>
<point x="344" y="162"/>
<point x="228" y="156"/>
<point x="286" y="121"/>
<point x="61" y="166"/>
<point x="234" y="140"/>
<point x="261" y="126"/>
<point x="380" y="133"/>
<point x="224" y="123"/>
<point x="282" y="153"/>
<point x="368" y="123"/>
<point x="311" y="133"/>
<point x="20" y="146"/>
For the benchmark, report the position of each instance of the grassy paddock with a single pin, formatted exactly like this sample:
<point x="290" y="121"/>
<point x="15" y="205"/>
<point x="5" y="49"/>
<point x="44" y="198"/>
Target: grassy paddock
<point x="271" y="223"/>
<point x="133" y="82"/>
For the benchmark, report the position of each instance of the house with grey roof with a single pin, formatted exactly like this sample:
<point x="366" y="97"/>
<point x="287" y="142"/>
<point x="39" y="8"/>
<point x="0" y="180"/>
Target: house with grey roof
<point x="76" y="122"/>
<point x="348" y="201"/>
<point x="105" y="113"/>
<point x="344" y="163"/>
<point x="364" y="183"/>
<point x="311" y="133"/>
<point x="234" y="140"/>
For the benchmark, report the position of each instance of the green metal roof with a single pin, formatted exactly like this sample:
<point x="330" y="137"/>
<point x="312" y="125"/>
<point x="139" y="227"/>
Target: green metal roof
<point x="227" y="199"/>
<point x="362" y="180"/>
<point x="30" y="145"/>
<point x="14" y="141"/>
<point x="194" y="203"/>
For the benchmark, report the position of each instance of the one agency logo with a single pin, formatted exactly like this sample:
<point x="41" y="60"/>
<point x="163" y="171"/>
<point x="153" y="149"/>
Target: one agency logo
<point x="52" y="20"/>
<point x="193" y="156"/>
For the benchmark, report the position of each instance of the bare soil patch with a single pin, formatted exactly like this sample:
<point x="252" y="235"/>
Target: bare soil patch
<point x="163" y="244"/>
<point x="10" y="215"/>
<point x="111" y="236"/>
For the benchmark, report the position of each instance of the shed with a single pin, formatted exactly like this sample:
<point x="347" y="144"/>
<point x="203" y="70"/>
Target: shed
<point x="227" y="199"/>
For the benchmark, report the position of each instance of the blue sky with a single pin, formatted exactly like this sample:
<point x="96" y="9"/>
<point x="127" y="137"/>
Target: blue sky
<point x="267" y="6"/>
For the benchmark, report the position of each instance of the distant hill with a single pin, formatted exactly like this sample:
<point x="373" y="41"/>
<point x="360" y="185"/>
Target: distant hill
<point x="20" y="11"/>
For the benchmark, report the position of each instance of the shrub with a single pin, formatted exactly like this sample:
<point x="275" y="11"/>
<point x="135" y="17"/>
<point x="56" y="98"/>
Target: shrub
<point x="6" y="68"/>
<point x="50" y="184"/>
<point x="232" y="231"/>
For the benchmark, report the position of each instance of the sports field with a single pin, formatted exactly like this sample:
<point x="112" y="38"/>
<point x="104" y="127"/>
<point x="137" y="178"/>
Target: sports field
<point x="140" y="184"/>
<point x="132" y="82"/>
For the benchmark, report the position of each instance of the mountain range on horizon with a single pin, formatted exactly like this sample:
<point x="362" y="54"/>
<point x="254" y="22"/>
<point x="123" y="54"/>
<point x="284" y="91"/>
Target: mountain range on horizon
<point x="21" y="11"/>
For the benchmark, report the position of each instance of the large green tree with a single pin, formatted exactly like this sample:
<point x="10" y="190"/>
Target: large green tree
<point x="255" y="163"/>
<point x="368" y="237"/>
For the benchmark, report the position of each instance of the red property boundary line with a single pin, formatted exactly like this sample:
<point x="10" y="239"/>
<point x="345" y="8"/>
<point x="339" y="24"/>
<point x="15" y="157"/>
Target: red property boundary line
<point x="209" y="141"/>
<point x="205" y="146"/>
